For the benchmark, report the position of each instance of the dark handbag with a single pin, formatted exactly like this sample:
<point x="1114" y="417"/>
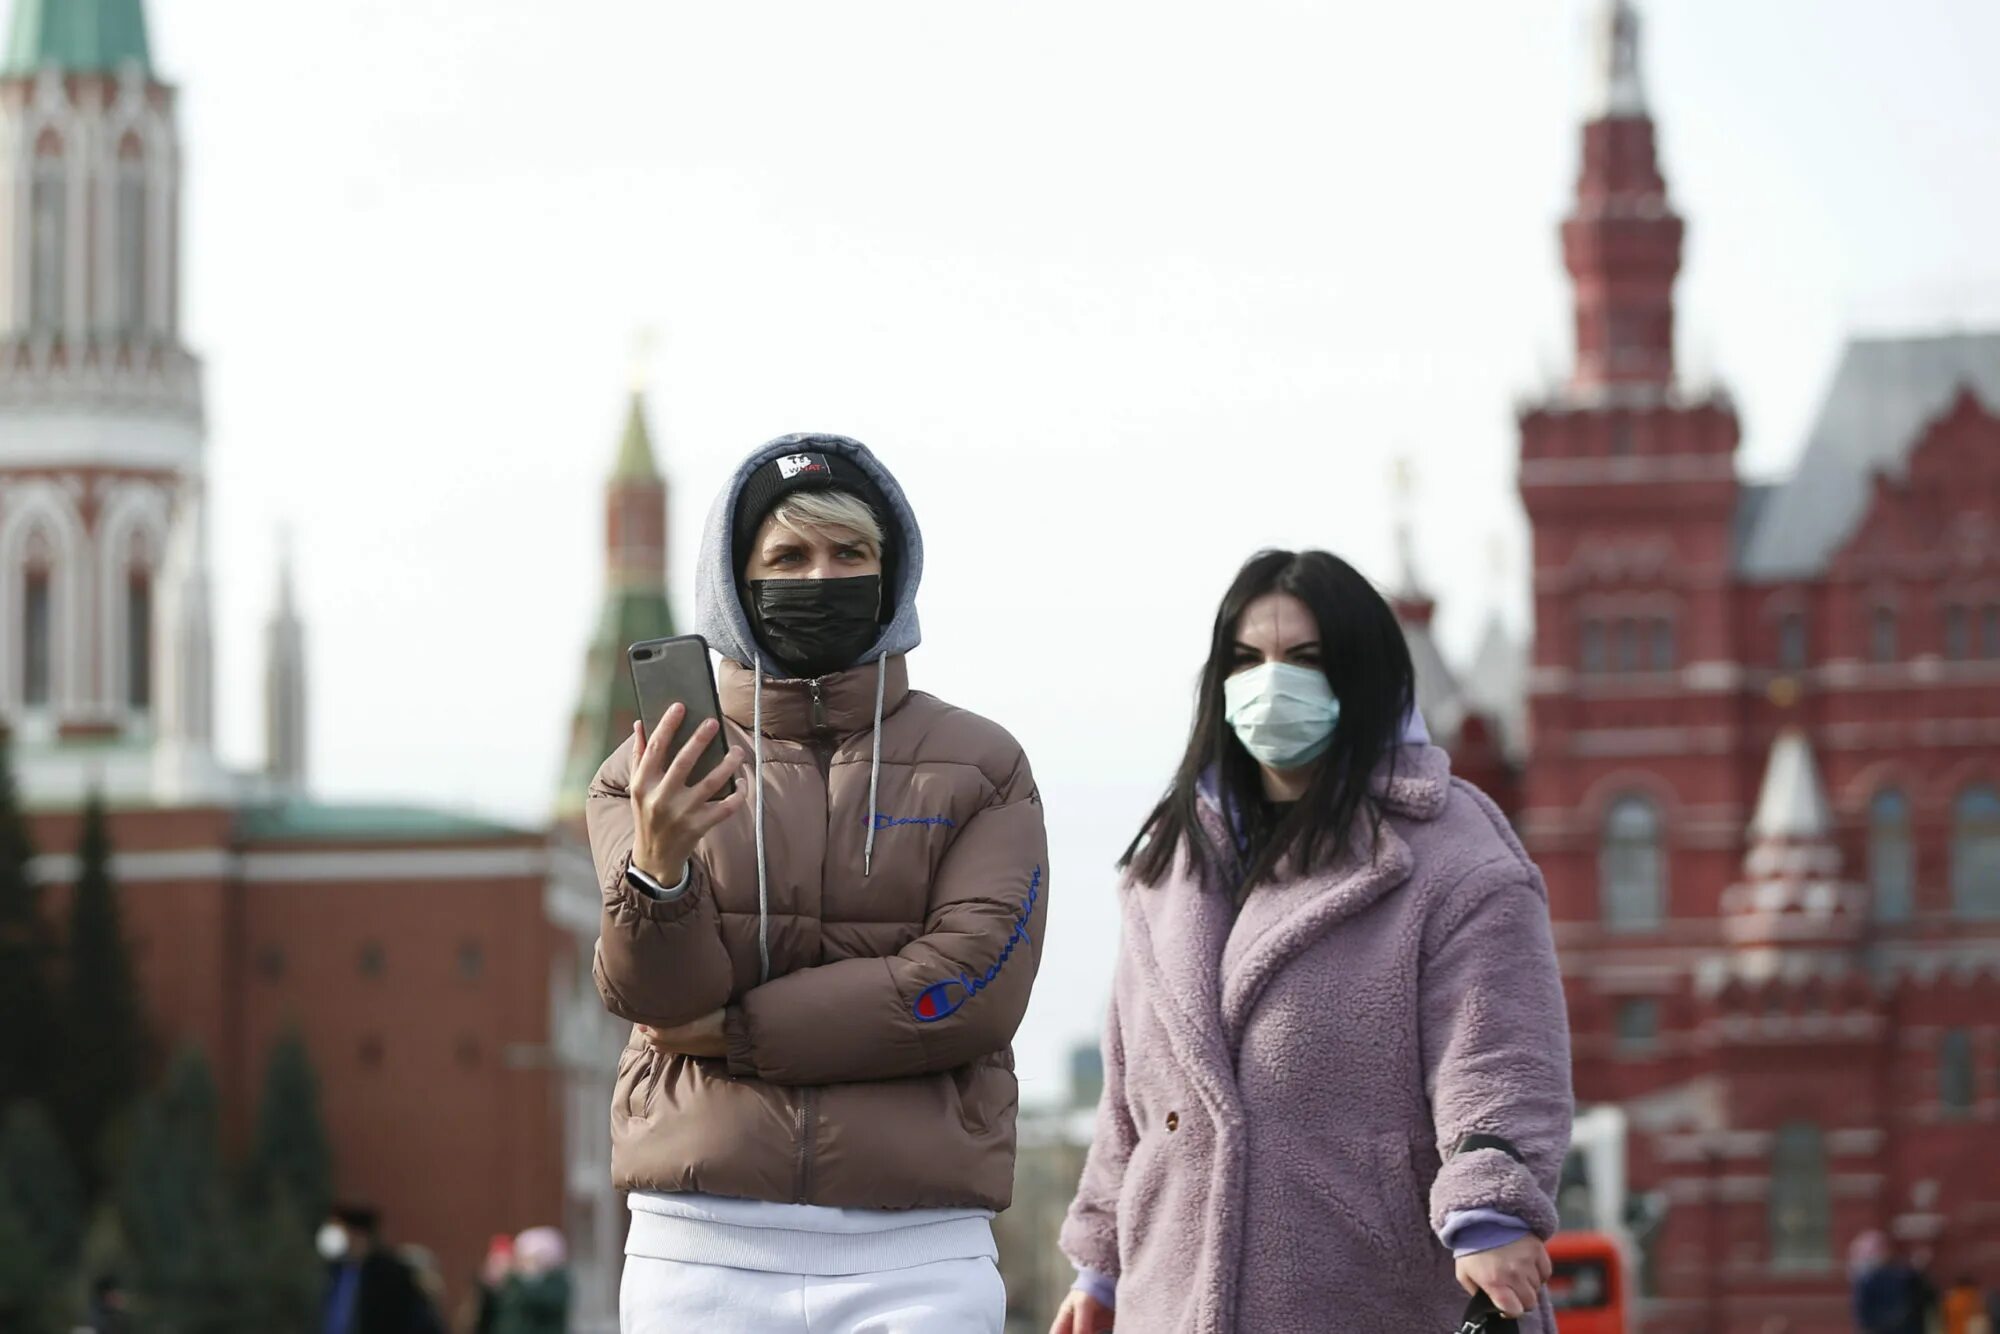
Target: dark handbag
<point x="1483" y="1317"/>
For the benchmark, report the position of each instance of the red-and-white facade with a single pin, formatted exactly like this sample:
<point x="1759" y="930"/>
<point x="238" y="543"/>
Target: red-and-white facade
<point x="1764" y="777"/>
<point x="413" y="949"/>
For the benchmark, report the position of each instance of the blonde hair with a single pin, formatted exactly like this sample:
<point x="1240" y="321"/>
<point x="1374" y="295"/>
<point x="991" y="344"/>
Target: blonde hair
<point x="804" y="511"/>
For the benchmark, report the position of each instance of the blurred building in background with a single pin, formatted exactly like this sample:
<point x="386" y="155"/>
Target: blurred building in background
<point x="1764" y="780"/>
<point x="1048" y="1163"/>
<point x="409" y="946"/>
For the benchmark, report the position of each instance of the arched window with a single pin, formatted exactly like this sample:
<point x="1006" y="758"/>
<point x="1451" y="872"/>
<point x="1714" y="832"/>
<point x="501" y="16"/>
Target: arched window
<point x="1957" y="1085"/>
<point x="131" y="282"/>
<point x="48" y="220"/>
<point x="1792" y="640"/>
<point x="1989" y="632"/>
<point x="1891" y="856"/>
<point x="1593" y="646"/>
<point x="1631" y="866"/>
<point x="1660" y="645"/>
<point x="1801" y="1208"/>
<point x="1627" y="645"/>
<point x="1975" y="853"/>
<point x="1882" y="645"/>
<point x="139" y="638"/>
<point x="37" y="636"/>
<point x="1957" y="633"/>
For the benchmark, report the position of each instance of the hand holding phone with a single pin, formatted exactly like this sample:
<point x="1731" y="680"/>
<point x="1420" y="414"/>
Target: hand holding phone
<point x="672" y="810"/>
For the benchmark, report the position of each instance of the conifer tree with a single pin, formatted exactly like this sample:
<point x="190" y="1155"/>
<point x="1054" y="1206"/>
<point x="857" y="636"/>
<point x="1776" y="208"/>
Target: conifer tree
<point x="41" y="1223"/>
<point x="106" y="1056"/>
<point x="190" y="1257"/>
<point x="30" y="1040"/>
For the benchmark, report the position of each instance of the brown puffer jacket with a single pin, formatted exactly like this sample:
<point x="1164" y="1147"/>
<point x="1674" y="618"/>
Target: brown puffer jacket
<point x="874" y="1069"/>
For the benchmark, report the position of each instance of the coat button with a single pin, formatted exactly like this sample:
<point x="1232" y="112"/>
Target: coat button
<point x="1173" y="1121"/>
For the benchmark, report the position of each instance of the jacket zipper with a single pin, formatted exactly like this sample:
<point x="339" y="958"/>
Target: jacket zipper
<point x="806" y="1119"/>
<point x="808" y="1116"/>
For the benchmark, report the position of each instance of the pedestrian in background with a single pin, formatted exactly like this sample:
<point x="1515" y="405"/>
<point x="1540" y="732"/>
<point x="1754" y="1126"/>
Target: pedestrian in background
<point x="1964" y="1304"/>
<point x="369" y="1290"/>
<point x="815" y="1115"/>
<point x="1337" y="1082"/>
<point x="534" y="1298"/>
<point x="109" y="1307"/>
<point x="493" y="1274"/>
<point x="1885" y="1296"/>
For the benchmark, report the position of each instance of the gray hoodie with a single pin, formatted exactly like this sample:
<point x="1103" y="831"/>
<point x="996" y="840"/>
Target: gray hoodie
<point x="718" y="601"/>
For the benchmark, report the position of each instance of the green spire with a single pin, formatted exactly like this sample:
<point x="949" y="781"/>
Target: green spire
<point x="77" y="36"/>
<point x="635" y="451"/>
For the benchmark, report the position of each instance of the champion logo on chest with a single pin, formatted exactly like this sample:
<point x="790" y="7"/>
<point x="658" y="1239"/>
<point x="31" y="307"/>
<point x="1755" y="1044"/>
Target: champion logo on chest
<point x="883" y="821"/>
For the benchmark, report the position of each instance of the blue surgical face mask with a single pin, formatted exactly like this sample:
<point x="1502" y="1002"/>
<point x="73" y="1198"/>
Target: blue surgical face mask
<point x="1282" y="713"/>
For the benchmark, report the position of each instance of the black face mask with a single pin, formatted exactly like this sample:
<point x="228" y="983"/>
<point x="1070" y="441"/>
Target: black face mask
<point x="815" y="627"/>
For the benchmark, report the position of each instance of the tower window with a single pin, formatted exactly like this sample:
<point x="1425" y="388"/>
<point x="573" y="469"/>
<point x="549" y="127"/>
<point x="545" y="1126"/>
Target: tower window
<point x="1957" y="633"/>
<point x="1660" y="645"/>
<point x="1631" y="866"/>
<point x="139" y="640"/>
<point x="131" y="233"/>
<point x="37" y="638"/>
<point x="1593" y="646"/>
<point x="1975" y="853"/>
<point x="1638" y="1022"/>
<point x="1882" y="635"/>
<point x="1792" y="641"/>
<point x="48" y="221"/>
<point x="1627" y="645"/>
<point x="1891" y="856"/>
<point x="1989" y="632"/>
<point x="374" y="961"/>
<point x="1956" y="1085"/>
<point x="1801" y="1204"/>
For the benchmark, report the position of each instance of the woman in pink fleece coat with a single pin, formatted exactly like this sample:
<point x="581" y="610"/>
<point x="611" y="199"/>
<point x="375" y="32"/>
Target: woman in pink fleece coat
<point x="1337" y="1091"/>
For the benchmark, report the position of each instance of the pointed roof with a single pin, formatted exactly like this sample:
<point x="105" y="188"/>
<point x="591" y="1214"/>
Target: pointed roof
<point x="635" y="449"/>
<point x="635" y="607"/>
<point x="1884" y="394"/>
<point x="1792" y="806"/>
<point x="1497" y="684"/>
<point x="286" y="609"/>
<point x="1616" y="88"/>
<point x="77" y="36"/>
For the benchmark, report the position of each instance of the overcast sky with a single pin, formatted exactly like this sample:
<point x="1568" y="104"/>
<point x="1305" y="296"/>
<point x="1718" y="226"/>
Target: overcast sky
<point x="1122" y="290"/>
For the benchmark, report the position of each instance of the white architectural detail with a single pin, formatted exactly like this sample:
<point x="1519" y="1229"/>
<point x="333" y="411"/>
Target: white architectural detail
<point x="1616" y="88"/>
<point x="285" y="747"/>
<point x="101" y="444"/>
<point x="1792" y="804"/>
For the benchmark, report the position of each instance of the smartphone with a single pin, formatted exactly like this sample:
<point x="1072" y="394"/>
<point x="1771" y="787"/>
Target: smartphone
<point x="679" y="671"/>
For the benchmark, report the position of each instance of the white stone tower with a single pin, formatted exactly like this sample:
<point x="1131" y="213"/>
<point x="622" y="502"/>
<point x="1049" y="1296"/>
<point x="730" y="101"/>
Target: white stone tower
<point x="105" y="656"/>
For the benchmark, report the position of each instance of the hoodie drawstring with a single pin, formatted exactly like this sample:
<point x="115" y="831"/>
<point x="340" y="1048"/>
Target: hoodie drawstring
<point x="763" y="882"/>
<point x="875" y="767"/>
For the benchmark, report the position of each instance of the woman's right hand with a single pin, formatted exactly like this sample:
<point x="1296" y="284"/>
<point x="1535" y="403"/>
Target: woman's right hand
<point x="1082" y="1313"/>
<point x="670" y="815"/>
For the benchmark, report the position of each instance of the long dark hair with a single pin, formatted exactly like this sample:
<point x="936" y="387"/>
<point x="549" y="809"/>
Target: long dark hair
<point x="1367" y="663"/>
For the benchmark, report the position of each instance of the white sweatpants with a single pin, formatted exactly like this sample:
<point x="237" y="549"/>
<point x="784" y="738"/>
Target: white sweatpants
<point x="675" y="1297"/>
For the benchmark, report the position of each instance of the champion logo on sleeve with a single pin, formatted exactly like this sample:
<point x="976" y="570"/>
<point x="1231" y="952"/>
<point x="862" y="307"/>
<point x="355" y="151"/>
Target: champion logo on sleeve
<point x="940" y="1000"/>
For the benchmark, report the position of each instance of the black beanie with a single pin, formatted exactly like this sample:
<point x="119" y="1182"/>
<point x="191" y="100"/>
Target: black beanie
<point x="810" y="470"/>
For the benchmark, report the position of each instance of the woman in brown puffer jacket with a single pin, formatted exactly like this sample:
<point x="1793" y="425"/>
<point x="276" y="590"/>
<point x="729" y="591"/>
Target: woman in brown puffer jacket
<point x="815" y="1115"/>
